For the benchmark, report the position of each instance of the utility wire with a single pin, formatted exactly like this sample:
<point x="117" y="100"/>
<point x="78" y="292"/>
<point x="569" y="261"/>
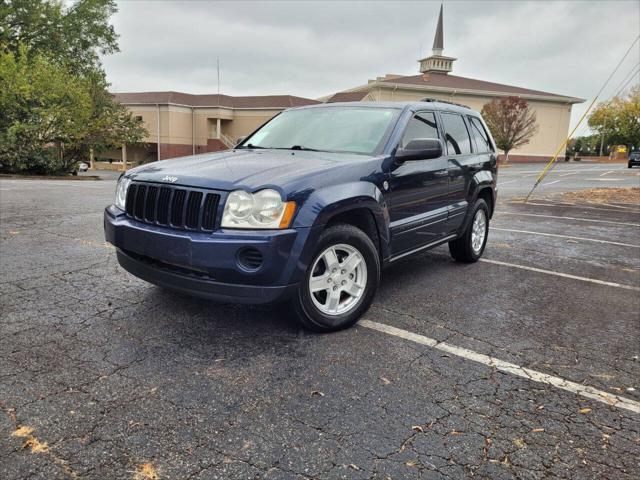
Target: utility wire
<point x="553" y="160"/>
<point x="631" y="74"/>
<point x="624" y="87"/>
<point x="618" y="90"/>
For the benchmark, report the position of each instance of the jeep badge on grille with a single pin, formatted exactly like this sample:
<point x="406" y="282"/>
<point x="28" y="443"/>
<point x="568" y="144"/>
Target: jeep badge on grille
<point x="170" y="179"/>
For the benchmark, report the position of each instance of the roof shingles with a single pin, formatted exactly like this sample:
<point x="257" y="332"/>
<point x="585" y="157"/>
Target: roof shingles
<point x="213" y="100"/>
<point x="442" y="80"/>
<point x="347" y="97"/>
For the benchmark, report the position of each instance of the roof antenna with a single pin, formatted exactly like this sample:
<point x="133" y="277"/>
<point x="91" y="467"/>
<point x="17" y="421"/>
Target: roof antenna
<point x="218" y="64"/>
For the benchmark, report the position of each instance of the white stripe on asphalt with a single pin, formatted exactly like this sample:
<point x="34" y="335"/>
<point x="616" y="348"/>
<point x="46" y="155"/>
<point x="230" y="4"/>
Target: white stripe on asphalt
<point x="607" y="173"/>
<point x="590" y="206"/>
<point x="565" y="236"/>
<point x="560" y="274"/>
<point x="551" y="183"/>
<point x="558" y="170"/>
<point x="604" y="179"/>
<point x="633" y="206"/>
<point x="571" y="218"/>
<point x="561" y="383"/>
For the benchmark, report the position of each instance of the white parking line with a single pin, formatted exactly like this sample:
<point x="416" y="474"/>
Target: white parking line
<point x="632" y="206"/>
<point x="591" y="206"/>
<point x="607" y="173"/>
<point x="509" y="181"/>
<point x="565" y="236"/>
<point x="571" y="218"/>
<point x="557" y="170"/>
<point x="560" y="274"/>
<point x="604" y="179"/>
<point x="507" y="367"/>
<point x="551" y="183"/>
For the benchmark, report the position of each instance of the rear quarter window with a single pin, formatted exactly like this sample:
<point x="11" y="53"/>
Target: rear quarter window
<point x="480" y="135"/>
<point x="456" y="134"/>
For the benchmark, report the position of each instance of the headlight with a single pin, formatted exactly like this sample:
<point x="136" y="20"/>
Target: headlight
<point x="263" y="209"/>
<point x="121" y="192"/>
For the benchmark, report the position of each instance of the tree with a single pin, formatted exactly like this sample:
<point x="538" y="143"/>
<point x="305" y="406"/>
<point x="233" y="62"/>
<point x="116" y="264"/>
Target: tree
<point x="585" y="145"/>
<point x="511" y="122"/>
<point x="110" y="123"/>
<point x="73" y="36"/>
<point x="44" y="110"/>
<point x="44" y="128"/>
<point x="618" y="121"/>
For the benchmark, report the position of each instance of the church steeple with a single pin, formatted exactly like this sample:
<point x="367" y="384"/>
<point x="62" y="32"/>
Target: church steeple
<point x="438" y="40"/>
<point x="437" y="62"/>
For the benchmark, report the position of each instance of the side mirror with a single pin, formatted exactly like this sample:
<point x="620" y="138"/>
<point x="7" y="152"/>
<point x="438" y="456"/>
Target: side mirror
<point x="239" y="140"/>
<point x="420" y="149"/>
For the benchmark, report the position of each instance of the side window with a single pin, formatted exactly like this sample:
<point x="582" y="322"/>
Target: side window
<point x="479" y="134"/>
<point x="456" y="134"/>
<point x="421" y="125"/>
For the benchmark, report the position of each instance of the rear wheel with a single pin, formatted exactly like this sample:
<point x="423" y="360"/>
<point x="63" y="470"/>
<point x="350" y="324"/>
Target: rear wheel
<point x="341" y="280"/>
<point x="469" y="247"/>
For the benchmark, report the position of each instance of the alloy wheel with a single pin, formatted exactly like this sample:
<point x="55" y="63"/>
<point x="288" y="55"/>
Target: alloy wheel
<point x="338" y="279"/>
<point x="478" y="231"/>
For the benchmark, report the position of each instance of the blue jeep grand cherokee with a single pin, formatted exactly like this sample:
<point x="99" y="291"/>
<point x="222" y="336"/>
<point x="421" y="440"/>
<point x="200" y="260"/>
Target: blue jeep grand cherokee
<point x="310" y="206"/>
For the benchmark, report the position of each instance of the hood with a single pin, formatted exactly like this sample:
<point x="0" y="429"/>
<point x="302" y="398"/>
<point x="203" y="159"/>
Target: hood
<point x="247" y="169"/>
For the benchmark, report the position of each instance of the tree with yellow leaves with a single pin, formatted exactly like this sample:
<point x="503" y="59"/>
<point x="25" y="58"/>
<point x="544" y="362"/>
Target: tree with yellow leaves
<point x="617" y="121"/>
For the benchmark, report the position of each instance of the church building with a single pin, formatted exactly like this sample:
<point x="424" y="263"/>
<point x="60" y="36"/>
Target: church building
<point x="553" y="111"/>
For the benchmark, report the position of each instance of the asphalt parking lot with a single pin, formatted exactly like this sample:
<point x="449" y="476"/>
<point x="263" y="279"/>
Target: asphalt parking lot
<point x="523" y="365"/>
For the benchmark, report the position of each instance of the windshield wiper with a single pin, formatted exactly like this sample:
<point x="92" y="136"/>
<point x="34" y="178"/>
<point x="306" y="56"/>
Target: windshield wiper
<point x="300" y="147"/>
<point x="251" y="146"/>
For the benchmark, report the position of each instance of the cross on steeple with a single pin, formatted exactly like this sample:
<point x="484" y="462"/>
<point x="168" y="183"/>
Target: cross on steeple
<point x="437" y="62"/>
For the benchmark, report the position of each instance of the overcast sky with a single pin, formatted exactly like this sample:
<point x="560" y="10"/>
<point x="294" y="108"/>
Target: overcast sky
<point x="311" y="49"/>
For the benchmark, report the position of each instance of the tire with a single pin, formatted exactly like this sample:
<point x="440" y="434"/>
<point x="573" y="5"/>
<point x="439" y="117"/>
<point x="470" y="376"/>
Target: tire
<point x="350" y="290"/>
<point x="462" y="249"/>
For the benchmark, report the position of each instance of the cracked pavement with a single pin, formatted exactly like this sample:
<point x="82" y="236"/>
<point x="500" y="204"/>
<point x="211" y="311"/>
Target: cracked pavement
<point x="101" y="373"/>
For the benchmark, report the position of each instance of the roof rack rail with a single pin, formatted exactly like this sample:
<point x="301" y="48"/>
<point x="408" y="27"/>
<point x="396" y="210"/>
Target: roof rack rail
<point x="430" y="99"/>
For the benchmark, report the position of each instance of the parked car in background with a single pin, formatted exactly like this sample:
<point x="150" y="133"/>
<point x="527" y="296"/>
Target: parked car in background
<point x="634" y="159"/>
<point x="80" y="167"/>
<point x="311" y="206"/>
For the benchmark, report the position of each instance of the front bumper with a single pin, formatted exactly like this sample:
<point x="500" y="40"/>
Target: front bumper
<point x="201" y="287"/>
<point x="207" y="264"/>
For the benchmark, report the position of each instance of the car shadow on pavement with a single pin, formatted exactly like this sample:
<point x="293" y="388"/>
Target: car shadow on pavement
<point x="204" y="322"/>
<point x="201" y="315"/>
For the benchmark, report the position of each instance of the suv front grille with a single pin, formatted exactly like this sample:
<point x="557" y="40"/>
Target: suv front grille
<point x="172" y="206"/>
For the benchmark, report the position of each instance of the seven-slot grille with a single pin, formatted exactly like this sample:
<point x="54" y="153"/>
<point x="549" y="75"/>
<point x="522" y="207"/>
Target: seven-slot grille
<point x="176" y="207"/>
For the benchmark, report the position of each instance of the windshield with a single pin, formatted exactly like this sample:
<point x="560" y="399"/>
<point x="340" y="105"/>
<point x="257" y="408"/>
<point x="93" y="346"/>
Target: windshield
<point x="328" y="129"/>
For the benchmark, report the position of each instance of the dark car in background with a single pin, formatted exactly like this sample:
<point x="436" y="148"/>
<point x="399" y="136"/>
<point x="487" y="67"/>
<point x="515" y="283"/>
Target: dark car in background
<point x="634" y="159"/>
<point x="311" y="206"/>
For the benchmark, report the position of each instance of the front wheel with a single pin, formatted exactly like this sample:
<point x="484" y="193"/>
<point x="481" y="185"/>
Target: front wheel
<point x="468" y="248"/>
<point x="341" y="280"/>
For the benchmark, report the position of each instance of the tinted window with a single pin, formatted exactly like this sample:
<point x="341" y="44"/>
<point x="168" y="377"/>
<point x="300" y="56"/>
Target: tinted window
<point x="479" y="134"/>
<point x="456" y="134"/>
<point x="422" y="125"/>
